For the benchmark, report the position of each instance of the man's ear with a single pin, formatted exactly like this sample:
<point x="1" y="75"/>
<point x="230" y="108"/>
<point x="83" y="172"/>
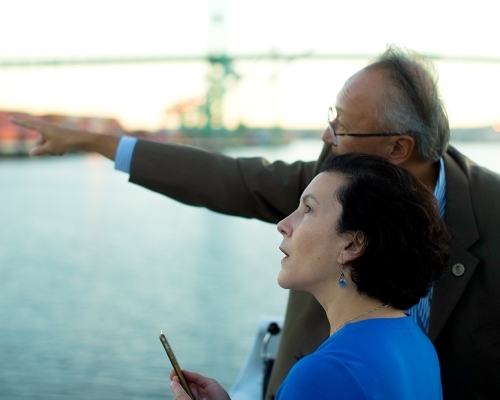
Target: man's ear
<point x="353" y="249"/>
<point x="401" y="149"/>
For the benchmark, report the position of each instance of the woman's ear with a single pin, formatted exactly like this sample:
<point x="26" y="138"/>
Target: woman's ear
<point x="353" y="248"/>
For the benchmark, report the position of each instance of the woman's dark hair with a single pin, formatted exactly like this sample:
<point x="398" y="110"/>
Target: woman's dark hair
<point x="406" y="244"/>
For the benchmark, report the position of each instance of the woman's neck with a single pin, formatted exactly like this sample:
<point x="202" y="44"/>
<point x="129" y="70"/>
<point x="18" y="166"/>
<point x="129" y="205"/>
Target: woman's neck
<point x="346" y="305"/>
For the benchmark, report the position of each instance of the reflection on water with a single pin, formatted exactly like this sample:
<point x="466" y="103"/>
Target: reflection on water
<point x="92" y="268"/>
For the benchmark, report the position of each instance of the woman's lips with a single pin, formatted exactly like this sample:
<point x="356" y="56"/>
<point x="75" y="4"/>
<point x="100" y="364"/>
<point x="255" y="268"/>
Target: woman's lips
<point x="285" y="253"/>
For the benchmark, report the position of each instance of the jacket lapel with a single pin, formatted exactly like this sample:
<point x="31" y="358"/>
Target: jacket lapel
<point x="460" y="220"/>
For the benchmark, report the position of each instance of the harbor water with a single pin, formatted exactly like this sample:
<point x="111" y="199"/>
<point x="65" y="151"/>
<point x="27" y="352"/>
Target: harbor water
<point x="93" y="267"/>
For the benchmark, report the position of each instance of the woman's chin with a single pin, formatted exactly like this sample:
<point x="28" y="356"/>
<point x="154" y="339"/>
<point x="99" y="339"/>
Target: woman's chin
<point x="286" y="282"/>
<point x="283" y="281"/>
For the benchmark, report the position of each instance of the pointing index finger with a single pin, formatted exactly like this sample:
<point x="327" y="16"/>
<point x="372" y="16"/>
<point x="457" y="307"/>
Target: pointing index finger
<point x="26" y="122"/>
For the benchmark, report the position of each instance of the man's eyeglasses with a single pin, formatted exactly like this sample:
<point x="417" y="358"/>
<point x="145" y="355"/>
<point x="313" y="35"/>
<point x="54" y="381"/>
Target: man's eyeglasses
<point x="333" y="132"/>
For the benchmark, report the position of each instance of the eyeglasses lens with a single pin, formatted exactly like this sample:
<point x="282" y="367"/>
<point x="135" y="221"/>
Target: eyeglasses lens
<point x="331" y="114"/>
<point x="331" y="117"/>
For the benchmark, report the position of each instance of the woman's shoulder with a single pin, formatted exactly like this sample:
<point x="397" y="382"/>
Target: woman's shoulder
<point x="355" y="362"/>
<point x="318" y="376"/>
<point x="382" y="329"/>
<point x="372" y="347"/>
<point x="381" y="337"/>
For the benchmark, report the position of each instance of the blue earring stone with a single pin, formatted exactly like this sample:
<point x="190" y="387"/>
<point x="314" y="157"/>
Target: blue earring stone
<point x="342" y="280"/>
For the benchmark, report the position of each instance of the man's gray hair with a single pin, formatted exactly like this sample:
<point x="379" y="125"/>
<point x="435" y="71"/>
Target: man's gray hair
<point x="413" y="105"/>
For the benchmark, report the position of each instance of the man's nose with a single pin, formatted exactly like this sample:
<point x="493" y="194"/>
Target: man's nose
<point x="327" y="137"/>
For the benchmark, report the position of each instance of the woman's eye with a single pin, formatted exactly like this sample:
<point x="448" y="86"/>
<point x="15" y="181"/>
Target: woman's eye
<point x="308" y="209"/>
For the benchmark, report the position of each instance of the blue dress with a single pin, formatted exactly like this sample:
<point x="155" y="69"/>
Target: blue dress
<point x="380" y="358"/>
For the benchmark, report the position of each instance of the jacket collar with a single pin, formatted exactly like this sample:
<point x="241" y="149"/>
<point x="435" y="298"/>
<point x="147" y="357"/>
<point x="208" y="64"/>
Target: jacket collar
<point x="460" y="220"/>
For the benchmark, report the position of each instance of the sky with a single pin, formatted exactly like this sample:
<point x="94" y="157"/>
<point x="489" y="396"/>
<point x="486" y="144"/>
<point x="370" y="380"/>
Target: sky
<point x="292" y="94"/>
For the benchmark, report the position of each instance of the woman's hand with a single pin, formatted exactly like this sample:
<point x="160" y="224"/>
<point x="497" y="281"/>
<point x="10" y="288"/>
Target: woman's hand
<point x="203" y="388"/>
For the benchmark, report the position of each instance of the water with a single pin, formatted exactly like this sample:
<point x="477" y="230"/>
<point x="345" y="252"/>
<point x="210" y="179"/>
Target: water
<point x="93" y="267"/>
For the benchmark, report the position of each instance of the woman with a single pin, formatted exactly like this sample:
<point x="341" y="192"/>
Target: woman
<point x="367" y="242"/>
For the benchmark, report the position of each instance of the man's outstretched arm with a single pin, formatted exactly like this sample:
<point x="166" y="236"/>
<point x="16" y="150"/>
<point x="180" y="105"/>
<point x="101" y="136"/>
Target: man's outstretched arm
<point x="245" y="187"/>
<point x="57" y="140"/>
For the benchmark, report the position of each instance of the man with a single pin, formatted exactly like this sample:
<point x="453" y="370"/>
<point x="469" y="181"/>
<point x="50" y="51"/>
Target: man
<point x="391" y="108"/>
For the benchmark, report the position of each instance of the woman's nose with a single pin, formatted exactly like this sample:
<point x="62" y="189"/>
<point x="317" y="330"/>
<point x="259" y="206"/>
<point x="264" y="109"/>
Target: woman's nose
<point x="283" y="227"/>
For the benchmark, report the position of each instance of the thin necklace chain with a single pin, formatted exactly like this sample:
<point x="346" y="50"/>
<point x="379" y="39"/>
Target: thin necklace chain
<point x="360" y="315"/>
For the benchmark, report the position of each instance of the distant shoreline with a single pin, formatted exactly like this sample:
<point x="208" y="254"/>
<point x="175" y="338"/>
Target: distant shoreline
<point x="19" y="142"/>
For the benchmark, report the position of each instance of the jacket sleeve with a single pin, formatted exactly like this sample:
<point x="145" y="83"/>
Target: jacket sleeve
<point x="245" y="187"/>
